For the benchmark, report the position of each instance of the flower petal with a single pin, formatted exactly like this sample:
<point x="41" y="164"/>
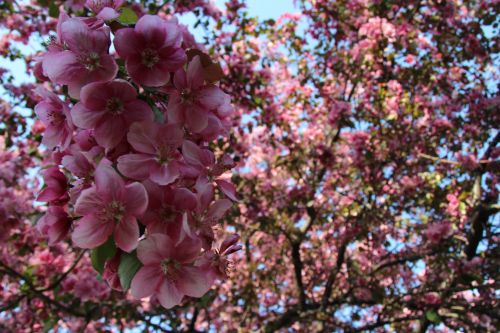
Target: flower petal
<point x="146" y="281"/>
<point x="135" y="198"/>
<point x="90" y="232"/>
<point x="127" y="234"/>
<point x="169" y="296"/>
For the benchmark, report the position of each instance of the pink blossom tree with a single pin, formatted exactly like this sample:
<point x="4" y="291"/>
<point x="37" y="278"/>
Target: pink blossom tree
<point x="341" y="177"/>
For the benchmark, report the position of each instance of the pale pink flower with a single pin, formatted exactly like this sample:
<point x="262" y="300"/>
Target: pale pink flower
<point x="168" y="271"/>
<point x="109" y="108"/>
<point x="55" y="224"/>
<point x="152" y="49"/>
<point x="158" y="156"/>
<point x="109" y="207"/>
<point x="83" y="59"/>
<point x="192" y="100"/>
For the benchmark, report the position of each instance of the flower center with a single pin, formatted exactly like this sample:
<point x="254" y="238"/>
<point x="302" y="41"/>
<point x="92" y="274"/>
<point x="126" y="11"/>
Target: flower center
<point x="115" y="210"/>
<point x="114" y="105"/>
<point x="169" y="268"/>
<point x="91" y="61"/>
<point x="55" y="118"/>
<point x="186" y="95"/>
<point x="149" y="58"/>
<point x="165" y="153"/>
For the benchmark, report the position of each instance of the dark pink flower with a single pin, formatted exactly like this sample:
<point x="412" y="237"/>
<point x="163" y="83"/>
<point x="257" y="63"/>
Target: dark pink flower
<point x="54" y="114"/>
<point x="55" y="224"/>
<point x="158" y="156"/>
<point x="56" y="186"/>
<point x="109" y="108"/>
<point x="109" y="207"/>
<point x="152" y="49"/>
<point x="168" y="271"/>
<point x="192" y="100"/>
<point x="82" y="58"/>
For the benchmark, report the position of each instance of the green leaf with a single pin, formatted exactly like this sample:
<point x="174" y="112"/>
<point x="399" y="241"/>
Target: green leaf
<point x="53" y="9"/>
<point x="129" y="265"/>
<point x="432" y="316"/>
<point x="101" y="254"/>
<point x="128" y="16"/>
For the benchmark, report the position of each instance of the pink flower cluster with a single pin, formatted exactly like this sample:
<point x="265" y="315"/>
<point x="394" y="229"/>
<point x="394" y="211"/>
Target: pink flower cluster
<point x="131" y="160"/>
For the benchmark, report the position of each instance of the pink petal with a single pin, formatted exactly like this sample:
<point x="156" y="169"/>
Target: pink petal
<point x="196" y="119"/>
<point x="154" y="249"/>
<point x="211" y="97"/>
<point x="184" y="199"/>
<point x="176" y="110"/>
<point x="62" y="67"/>
<point x="127" y="234"/>
<point x="138" y="110"/>
<point x="227" y="188"/>
<point x="108" y="13"/>
<point x="127" y="42"/>
<point x="151" y="77"/>
<point x="81" y="38"/>
<point x="193" y="281"/>
<point x="169" y="296"/>
<point x="91" y="232"/>
<point x="142" y="136"/>
<point x="180" y="79"/>
<point x="85" y="118"/>
<point x="88" y="202"/>
<point x="136" y="166"/>
<point x="192" y="153"/>
<point x="135" y="199"/>
<point x="108" y="182"/>
<point x="152" y="29"/>
<point x="164" y="174"/>
<point x="195" y="73"/>
<point x="172" y="58"/>
<point x="187" y="249"/>
<point x="146" y="281"/>
<point x="218" y="208"/>
<point x="108" y="133"/>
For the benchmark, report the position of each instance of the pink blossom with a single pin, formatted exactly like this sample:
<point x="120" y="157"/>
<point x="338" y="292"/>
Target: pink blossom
<point x="55" y="224"/>
<point x="432" y="298"/>
<point x="109" y="207"/>
<point x="192" y="100"/>
<point x="83" y="59"/>
<point x="56" y="186"/>
<point x="109" y="108"/>
<point x="216" y="261"/>
<point x="110" y="274"/>
<point x="54" y="114"/>
<point x="105" y="9"/>
<point x="151" y="50"/>
<point x="158" y="157"/>
<point x="168" y="271"/>
<point x="165" y="208"/>
<point x="437" y="231"/>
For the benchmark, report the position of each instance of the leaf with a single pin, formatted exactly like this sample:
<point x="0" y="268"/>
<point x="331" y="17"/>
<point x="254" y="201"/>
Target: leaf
<point x="432" y="316"/>
<point x="128" y="16"/>
<point x="101" y="254"/>
<point x="129" y="265"/>
<point x="53" y="9"/>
